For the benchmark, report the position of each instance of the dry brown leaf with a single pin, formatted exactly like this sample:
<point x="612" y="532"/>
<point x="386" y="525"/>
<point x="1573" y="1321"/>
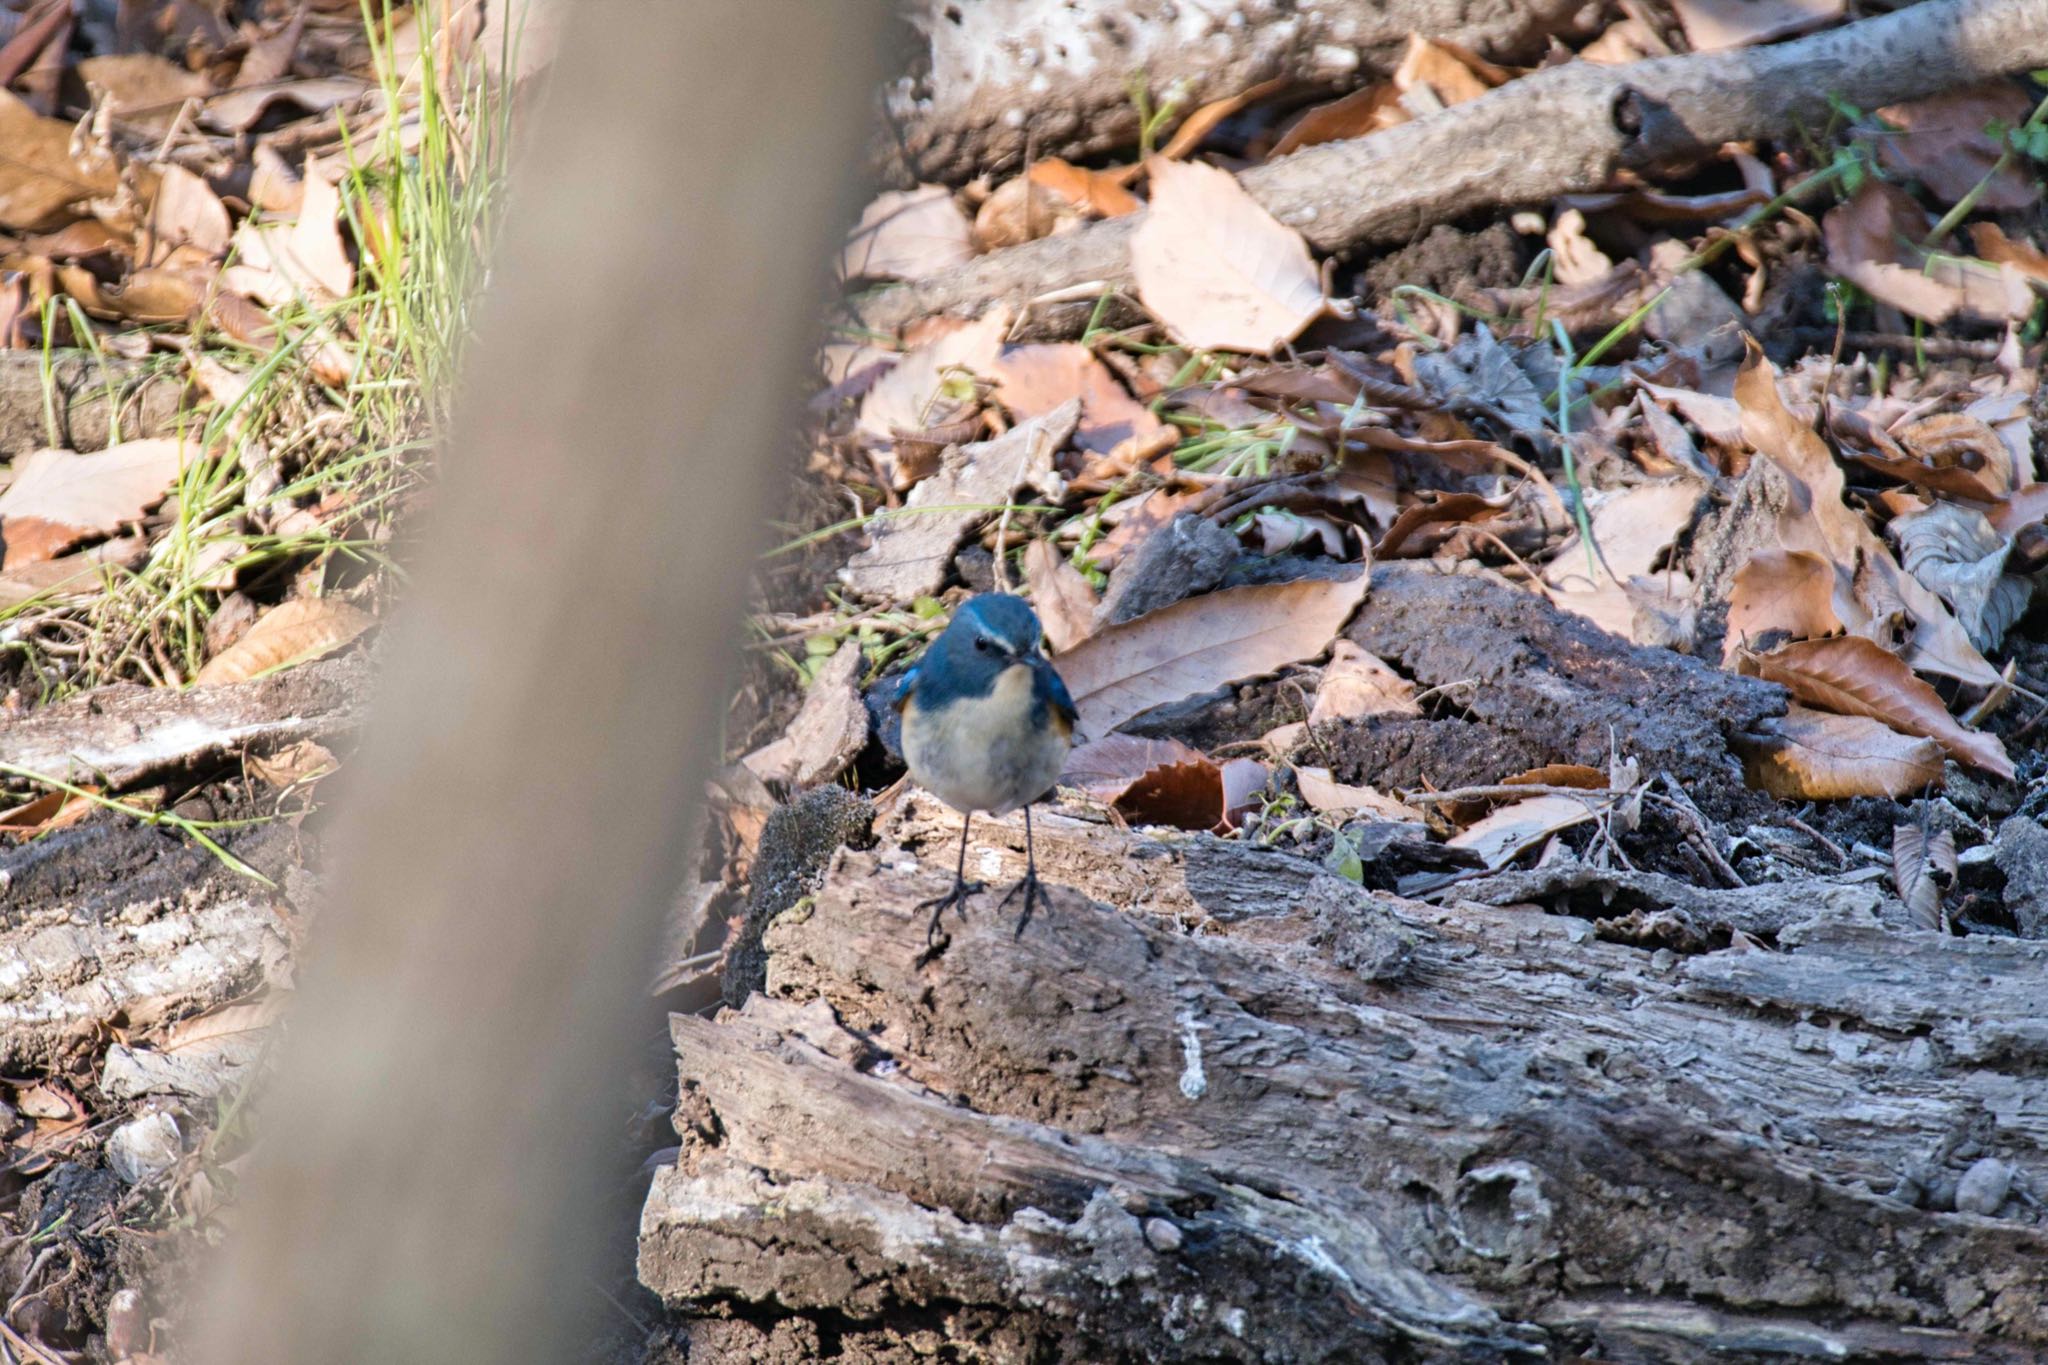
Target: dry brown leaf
<point x="1813" y="755"/>
<point x="1924" y="866"/>
<point x="1716" y="25"/>
<point x="827" y="731"/>
<point x="907" y="235"/>
<point x="1868" y="245"/>
<point x="41" y="183"/>
<point x="1101" y="194"/>
<point x="51" y="810"/>
<point x="1991" y="243"/>
<point x="1578" y="775"/>
<point x="1150" y="781"/>
<point x="1789" y="593"/>
<point x="1204" y="643"/>
<point x="908" y="554"/>
<point x="1961" y="441"/>
<point x="290" y="633"/>
<point x="1217" y="269"/>
<point x="237" y="111"/>
<point x="276" y="264"/>
<point x="1513" y="830"/>
<point x="144" y="92"/>
<point x="1061" y="596"/>
<point x="1632" y="528"/>
<point x="1331" y="797"/>
<point x="1943" y="144"/>
<point x="1852" y="676"/>
<point x="1356" y="114"/>
<point x="73" y="576"/>
<point x="186" y="212"/>
<point x="932" y="384"/>
<point x="60" y="498"/>
<point x="1033" y="380"/>
<point x="229" y="1022"/>
<point x="1954" y="551"/>
<point x="1820" y="522"/>
<point x="1453" y="74"/>
<point x="1203" y="121"/>
<point x="292" y="765"/>
<point x="1357" y="684"/>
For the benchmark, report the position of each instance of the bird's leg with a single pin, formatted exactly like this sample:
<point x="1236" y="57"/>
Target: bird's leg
<point x="962" y="888"/>
<point x="1033" y="892"/>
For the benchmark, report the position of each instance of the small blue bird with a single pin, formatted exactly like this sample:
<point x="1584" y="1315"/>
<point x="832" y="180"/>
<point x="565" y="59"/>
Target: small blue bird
<point x="986" y="727"/>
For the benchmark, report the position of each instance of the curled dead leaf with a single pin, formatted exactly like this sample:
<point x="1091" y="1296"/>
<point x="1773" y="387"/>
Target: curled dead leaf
<point x="1512" y="830"/>
<point x="1331" y="797"/>
<point x="1924" y="866"/>
<point x="290" y="633"/>
<point x="1780" y="595"/>
<point x="1357" y="684"/>
<point x="1810" y="755"/>
<point x="1061" y="596"/>
<point x="1853" y="676"/>
<point x="1150" y="781"/>
<point x="1204" y="643"/>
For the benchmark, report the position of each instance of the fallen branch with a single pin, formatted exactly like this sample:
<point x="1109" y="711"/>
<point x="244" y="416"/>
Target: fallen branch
<point x="1562" y="131"/>
<point x="121" y="735"/>
<point x="1068" y="67"/>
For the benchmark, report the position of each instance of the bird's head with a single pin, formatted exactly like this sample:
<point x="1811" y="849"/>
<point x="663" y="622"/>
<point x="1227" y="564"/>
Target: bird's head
<point x="987" y="636"/>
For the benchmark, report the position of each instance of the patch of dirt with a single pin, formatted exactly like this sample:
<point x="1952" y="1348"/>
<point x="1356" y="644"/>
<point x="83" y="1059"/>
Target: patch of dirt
<point x="1400" y="751"/>
<point x="1451" y="261"/>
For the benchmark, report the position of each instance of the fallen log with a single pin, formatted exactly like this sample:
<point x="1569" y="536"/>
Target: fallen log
<point x="121" y="735"/>
<point x="1567" y="130"/>
<point x="1001" y="79"/>
<point x="1113" y="1139"/>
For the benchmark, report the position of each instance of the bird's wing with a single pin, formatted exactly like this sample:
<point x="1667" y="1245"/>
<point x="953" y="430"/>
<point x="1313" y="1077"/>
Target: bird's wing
<point x="903" y="687"/>
<point x="1048" y="685"/>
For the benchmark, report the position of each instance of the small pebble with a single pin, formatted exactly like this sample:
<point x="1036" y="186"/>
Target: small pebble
<point x="1162" y="1235"/>
<point x="1983" y="1187"/>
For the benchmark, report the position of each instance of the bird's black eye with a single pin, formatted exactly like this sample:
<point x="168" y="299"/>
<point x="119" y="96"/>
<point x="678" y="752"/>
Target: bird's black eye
<point x="983" y="643"/>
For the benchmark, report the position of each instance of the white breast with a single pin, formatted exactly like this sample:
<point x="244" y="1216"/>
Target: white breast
<point x="983" y="753"/>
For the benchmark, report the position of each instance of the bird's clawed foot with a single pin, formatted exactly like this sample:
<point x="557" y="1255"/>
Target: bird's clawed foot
<point x="938" y="905"/>
<point x="1035" y="895"/>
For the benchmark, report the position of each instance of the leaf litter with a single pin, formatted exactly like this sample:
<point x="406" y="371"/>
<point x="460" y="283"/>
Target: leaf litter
<point x="1846" y="518"/>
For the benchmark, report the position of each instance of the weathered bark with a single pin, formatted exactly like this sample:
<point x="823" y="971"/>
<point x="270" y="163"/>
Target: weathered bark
<point x="120" y="735"/>
<point x="1116" y="1139"/>
<point x="998" y="77"/>
<point x="1566" y="130"/>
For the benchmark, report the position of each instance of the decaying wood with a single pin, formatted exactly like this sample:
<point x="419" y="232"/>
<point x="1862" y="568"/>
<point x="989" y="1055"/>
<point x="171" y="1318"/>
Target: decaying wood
<point x="1000" y="77"/>
<point x="81" y="393"/>
<point x="120" y="735"/>
<point x="1116" y="1139"/>
<point x="1570" y="129"/>
<point x="1574" y="692"/>
<point x="123" y="926"/>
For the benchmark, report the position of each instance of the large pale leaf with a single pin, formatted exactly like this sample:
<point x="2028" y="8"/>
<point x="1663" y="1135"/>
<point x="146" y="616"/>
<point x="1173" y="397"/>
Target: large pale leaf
<point x="41" y="184"/>
<point x="1515" y="829"/>
<point x="1357" y="684"/>
<point x="1204" y="643"/>
<point x="60" y="498"/>
<point x="293" y="632"/>
<point x="907" y="235"/>
<point x="1813" y="755"/>
<point x="1857" y="677"/>
<point x="1217" y="269"/>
